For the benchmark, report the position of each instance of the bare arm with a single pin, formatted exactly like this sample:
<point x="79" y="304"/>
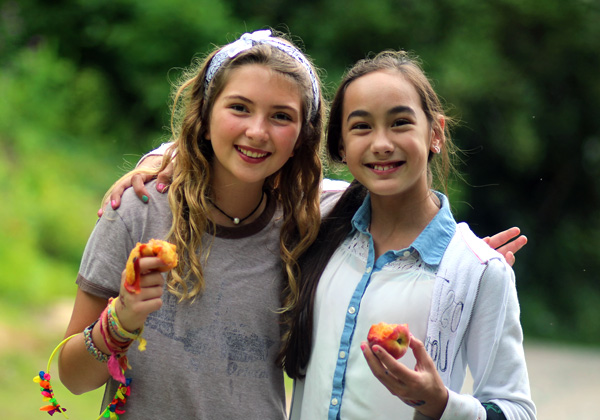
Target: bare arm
<point x="79" y="371"/>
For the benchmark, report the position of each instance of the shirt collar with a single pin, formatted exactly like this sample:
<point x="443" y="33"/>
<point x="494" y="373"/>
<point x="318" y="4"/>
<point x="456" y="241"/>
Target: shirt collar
<point x="431" y="243"/>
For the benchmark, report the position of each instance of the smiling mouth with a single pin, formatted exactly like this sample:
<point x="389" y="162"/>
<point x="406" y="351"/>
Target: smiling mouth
<point x="384" y="167"/>
<point x="252" y="154"/>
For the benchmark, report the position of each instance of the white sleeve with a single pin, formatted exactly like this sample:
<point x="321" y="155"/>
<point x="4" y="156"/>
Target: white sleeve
<point x="494" y="345"/>
<point x="159" y="151"/>
<point x="334" y="185"/>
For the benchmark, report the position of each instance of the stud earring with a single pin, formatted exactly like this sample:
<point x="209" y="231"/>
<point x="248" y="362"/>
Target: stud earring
<point x="436" y="149"/>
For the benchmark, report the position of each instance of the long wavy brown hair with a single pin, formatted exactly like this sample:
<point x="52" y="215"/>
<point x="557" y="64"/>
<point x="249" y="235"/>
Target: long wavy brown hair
<point x="296" y="186"/>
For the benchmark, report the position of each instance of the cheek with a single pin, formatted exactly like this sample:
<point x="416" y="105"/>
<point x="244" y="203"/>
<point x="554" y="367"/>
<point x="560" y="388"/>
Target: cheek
<point x="352" y="150"/>
<point x="288" y="138"/>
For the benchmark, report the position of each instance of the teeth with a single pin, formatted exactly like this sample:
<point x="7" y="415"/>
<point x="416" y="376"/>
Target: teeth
<point x="252" y="154"/>
<point x="383" y="168"/>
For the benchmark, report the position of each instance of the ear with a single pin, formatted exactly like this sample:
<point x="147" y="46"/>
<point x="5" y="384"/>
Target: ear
<point x="438" y="138"/>
<point x="342" y="152"/>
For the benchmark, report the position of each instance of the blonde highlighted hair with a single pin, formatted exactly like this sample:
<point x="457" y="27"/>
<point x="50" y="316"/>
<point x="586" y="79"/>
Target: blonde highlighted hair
<point x="296" y="186"/>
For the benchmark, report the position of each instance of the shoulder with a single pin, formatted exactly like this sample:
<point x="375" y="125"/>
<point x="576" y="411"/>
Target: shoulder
<point x="131" y="205"/>
<point x="140" y="218"/>
<point x="466" y="251"/>
<point x="469" y="244"/>
<point x="495" y="267"/>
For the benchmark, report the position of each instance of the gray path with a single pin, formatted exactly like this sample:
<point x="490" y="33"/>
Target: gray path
<point x="565" y="381"/>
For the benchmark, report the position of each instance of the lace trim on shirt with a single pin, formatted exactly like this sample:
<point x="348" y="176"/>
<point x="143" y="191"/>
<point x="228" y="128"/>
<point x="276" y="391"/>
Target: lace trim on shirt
<point x="358" y="245"/>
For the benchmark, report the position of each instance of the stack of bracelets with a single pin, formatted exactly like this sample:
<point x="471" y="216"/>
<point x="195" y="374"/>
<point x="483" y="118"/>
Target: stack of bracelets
<point x="118" y="340"/>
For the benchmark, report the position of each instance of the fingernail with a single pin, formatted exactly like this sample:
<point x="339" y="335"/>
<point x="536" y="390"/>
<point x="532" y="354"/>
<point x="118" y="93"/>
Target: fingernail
<point x="161" y="187"/>
<point x="100" y="212"/>
<point x="113" y="204"/>
<point x="363" y="346"/>
<point x="144" y="198"/>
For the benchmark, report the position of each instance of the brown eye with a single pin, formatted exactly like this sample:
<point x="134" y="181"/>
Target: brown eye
<point x="401" y="121"/>
<point x="282" y="116"/>
<point x="238" y="108"/>
<point x="360" y="126"/>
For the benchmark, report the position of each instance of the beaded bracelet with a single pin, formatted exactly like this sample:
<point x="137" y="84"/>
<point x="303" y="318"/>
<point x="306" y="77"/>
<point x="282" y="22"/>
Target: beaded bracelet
<point x="91" y="347"/>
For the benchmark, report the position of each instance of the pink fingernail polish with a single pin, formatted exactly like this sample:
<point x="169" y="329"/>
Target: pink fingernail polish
<point x="100" y="212"/>
<point x="161" y="187"/>
<point x="113" y="203"/>
<point x="363" y="346"/>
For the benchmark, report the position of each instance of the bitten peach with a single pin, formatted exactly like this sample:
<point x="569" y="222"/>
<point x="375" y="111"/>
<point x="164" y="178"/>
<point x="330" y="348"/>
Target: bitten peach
<point x="154" y="248"/>
<point x="394" y="338"/>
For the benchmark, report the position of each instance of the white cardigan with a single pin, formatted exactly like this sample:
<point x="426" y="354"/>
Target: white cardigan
<point x="474" y="323"/>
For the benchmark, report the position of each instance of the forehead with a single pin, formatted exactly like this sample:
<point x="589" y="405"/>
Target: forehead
<point x="259" y="77"/>
<point x="382" y="89"/>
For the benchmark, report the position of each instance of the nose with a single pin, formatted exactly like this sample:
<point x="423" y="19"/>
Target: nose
<point x="381" y="144"/>
<point x="257" y="129"/>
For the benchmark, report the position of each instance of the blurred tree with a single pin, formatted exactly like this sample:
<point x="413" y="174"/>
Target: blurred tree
<point x="520" y="75"/>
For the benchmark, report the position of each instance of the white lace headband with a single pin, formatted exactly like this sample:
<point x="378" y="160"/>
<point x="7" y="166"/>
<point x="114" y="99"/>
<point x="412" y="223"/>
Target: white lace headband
<point x="246" y="42"/>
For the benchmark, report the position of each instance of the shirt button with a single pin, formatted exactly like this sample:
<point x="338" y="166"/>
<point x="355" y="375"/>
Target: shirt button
<point x="334" y="401"/>
<point x="342" y="355"/>
<point x="406" y="253"/>
<point x="351" y="310"/>
<point x="369" y="269"/>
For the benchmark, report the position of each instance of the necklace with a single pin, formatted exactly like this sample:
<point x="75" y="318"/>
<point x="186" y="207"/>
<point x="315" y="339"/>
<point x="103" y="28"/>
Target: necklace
<point x="237" y="220"/>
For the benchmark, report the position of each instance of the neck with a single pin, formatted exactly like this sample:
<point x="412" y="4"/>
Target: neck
<point x="243" y="202"/>
<point x="396" y="221"/>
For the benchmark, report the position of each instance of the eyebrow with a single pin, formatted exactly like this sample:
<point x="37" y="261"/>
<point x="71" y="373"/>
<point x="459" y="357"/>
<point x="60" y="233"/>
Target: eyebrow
<point x="400" y="109"/>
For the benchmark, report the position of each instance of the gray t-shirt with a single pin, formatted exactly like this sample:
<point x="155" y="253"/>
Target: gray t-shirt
<point x="208" y="359"/>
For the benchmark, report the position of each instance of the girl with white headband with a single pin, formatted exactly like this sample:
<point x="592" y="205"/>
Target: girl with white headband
<point x="243" y="205"/>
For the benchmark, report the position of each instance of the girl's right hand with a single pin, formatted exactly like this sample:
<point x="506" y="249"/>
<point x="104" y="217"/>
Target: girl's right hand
<point x="138" y="181"/>
<point x="133" y="308"/>
<point x="421" y="388"/>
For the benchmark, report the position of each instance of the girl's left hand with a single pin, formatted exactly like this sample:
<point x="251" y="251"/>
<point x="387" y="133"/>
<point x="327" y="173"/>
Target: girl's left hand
<point x="421" y="388"/>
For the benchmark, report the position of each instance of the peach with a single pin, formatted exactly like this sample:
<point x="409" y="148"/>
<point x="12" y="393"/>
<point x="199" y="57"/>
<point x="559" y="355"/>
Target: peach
<point x="394" y="338"/>
<point x="166" y="251"/>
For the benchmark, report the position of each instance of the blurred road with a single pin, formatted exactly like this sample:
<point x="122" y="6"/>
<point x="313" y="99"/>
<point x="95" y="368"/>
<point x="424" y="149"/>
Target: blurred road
<point x="565" y="381"/>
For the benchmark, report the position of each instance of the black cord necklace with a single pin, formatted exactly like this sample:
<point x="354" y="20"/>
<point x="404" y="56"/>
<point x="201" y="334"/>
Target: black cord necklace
<point x="237" y="220"/>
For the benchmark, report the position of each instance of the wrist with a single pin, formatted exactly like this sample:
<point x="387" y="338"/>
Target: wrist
<point x="128" y="320"/>
<point x="434" y="408"/>
<point x="118" y="330"/>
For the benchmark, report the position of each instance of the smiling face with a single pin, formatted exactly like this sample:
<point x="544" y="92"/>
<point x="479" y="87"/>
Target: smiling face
<point x="254" y="125"/>
<point x="386" y="135"/>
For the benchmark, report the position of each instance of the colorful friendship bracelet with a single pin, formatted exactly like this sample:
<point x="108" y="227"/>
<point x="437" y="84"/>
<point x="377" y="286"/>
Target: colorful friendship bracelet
<point x="117" y="327"/>
<point x="112" y="411"/>
<point x="117" y="362"/>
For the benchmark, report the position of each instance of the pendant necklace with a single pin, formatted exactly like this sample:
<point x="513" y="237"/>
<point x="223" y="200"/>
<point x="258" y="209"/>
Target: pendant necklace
<point x="237" y="220"/>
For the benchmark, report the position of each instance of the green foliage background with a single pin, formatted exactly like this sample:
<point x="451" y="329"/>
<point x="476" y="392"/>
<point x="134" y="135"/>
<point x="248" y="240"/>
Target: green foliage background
<point x="84" y="88"/>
